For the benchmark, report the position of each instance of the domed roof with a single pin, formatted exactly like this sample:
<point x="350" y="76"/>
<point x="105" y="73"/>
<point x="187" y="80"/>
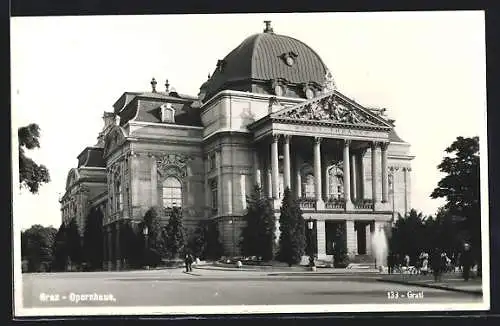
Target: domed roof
<point x="265" y="57"/>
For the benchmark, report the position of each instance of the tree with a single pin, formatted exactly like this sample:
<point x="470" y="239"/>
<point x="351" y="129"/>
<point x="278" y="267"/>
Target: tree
<point x="340" y="255"/>
<point x="197" y="243"/>
<point x="74" y="243"/>
<point x="133" y="244"/>
<point x="258" y="236"/>
<point x="93" y="239"/>
<point x="157" y="240"/>
<point x="214" y="248"/>
<point x="60" y="249"/>
<point x="461" y="189"/>
<point x="292" y="240"/>
<point x="37" y="247"/>
<point x="31" y="175"/>
<point x="176" y="238"/>
<point x="409" y="235"/>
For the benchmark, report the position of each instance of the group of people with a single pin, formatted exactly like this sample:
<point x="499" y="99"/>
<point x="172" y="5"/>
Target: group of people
<point x="436" y="263"/>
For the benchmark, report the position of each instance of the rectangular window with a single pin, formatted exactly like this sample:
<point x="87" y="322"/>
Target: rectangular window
<point x="215" y="195"/>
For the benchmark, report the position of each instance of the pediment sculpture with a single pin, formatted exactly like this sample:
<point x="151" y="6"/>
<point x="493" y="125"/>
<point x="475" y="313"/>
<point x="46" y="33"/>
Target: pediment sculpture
<point x="328" y="109"/>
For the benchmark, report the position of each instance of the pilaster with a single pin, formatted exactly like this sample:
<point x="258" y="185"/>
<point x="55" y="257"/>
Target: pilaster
<point x="352" y="241"/>
<point x="321" y="237"/>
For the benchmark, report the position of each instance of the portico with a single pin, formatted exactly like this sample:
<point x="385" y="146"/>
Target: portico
<point x="317" y="150"/>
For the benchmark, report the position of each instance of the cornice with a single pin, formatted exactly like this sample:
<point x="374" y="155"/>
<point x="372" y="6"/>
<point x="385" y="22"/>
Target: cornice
<point x="247" y="95"/>
<point x="162" y="125"/>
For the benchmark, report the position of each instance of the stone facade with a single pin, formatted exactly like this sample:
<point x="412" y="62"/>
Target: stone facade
<point x="206" y="154"/>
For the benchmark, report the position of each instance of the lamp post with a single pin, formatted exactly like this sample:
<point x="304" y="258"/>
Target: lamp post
<point x="310" y="226"/>
<point x="145" y="233"/>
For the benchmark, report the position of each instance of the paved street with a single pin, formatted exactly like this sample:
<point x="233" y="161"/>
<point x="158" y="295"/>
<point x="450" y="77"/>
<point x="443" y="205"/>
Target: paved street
<point x="173" y="287"/>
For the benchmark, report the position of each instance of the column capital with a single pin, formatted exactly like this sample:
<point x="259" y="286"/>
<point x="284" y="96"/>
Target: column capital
<point x="384" y="145"/>
<point x="276" y="137"/>
<point x="287" y="138"/>
<point x="374" y="144"/>
<point x="317" y="140"/>
<point x="393" y="168"/>
<point x="347" y="142"/>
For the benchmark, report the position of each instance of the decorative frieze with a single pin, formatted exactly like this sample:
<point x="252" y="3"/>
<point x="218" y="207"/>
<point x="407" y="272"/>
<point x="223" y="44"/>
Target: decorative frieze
<point x="173" y="164"/>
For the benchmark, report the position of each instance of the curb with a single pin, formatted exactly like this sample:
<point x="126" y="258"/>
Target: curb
<point x="432" y="286"/>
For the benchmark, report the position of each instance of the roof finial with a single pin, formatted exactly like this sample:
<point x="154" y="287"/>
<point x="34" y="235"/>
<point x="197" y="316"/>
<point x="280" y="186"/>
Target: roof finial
<point x="153" y="84"/>
<point x="268" y="28"/>
<point x="167" y="86"/>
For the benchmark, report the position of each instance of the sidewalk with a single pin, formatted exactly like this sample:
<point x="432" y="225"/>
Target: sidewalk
<point x="288" y="271"/>
<point x="449" y="282"/>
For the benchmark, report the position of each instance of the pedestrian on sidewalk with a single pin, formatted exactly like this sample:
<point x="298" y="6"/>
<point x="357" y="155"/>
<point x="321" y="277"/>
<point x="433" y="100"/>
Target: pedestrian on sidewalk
<point x="188" y="261"/>
<point x="436" y="264"/>
<point x="390" y="263"/>
<point x="466" y="259"/>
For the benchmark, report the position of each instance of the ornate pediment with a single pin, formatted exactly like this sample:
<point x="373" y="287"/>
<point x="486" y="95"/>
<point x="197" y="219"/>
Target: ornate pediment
<point x="331" y="108"/>
<point x="173" y="164"/>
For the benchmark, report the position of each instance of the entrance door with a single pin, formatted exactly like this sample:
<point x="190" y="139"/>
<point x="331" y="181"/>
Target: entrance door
<point x="361" y="227"/>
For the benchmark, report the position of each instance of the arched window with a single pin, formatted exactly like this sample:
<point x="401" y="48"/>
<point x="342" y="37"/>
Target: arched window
<point x="172" y="192"/>
<point x="308" y="187"/>
<point x="336" y="182"/>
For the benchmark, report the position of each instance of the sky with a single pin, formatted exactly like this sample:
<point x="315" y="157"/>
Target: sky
<point x="427" y="68"/>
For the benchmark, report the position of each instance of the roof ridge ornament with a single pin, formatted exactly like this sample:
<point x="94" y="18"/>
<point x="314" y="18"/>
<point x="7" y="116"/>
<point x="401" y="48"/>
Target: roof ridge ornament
<point x="268" y="28"/>
<point x="153" y="85"/>
<point x="329" y="84"/>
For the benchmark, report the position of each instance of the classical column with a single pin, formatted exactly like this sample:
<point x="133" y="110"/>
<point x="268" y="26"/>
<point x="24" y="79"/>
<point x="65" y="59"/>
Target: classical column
<point x="347" y="174"/>
<point x="407" y="196"/>
<point x="385" y="179"/>
<point x="286" y="162"/>
<point x="317" y="172"/>
<point x="374" y="172"/>
<point x="361" y="175"/>
<point x="327" y="183"/>
<point x="118" y="249"/>
<point x="299" y="178"/>
<point x="269" y="182"/>
<point x="354" y="181"/>
<point x="274" y="166"/>
<point x="256" y="166"/>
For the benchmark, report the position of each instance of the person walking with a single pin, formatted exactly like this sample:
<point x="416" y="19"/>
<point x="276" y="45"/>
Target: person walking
<point x="390" y="263"/>
<point x="188" y="261"/>
<point x="466" y="259"/>
<point x="436" y="264"/>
